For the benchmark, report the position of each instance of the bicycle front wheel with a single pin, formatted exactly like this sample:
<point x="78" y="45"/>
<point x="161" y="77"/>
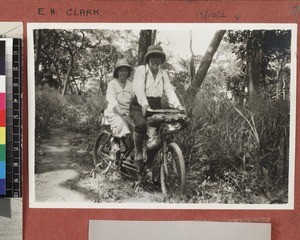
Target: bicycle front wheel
<point x="101" y="152"/>
<point x="172" y="172"/>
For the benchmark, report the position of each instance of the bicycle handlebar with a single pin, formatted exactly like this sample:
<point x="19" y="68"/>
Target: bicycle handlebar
<point x="163" y="111"/>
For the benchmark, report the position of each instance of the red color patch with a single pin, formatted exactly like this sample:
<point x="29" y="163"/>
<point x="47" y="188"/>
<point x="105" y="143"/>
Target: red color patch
<point x="2" y="101"/>
<point x="2" y="118"/>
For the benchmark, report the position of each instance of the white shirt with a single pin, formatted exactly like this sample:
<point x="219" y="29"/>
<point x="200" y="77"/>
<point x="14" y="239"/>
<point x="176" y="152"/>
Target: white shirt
<point x="116" y="95"/>
<point x="153" y="88"/>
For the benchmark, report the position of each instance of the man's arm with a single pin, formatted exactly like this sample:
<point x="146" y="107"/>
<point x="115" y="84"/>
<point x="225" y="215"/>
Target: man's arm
<point x="169" y="91"/>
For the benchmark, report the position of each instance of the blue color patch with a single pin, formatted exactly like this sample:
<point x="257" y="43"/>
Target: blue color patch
<point x="2" y="170"/>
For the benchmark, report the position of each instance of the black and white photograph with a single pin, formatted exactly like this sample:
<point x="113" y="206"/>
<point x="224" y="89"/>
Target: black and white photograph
<point x="178" y="230"/>
<point x="132" y="115"/>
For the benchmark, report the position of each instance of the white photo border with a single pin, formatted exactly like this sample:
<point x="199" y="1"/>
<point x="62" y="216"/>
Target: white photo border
<point x="160" y="26"/>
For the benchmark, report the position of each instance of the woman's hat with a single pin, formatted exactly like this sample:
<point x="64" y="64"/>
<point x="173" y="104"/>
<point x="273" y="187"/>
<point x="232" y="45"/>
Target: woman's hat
<point x="155" y="49"/>
<point x="121" y="63"/>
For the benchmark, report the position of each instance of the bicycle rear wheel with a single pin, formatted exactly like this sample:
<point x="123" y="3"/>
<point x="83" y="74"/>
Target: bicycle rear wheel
<point x="172" y="172"/>
<point x="101" y="152"/>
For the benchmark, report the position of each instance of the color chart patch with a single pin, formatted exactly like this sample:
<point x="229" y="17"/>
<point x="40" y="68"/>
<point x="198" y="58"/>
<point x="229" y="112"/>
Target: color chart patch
<point x="11" y="117"/>
<point x="2" y="120"/>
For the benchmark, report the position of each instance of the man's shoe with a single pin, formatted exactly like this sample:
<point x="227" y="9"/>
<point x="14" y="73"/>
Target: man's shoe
<point x="115" y="146"/>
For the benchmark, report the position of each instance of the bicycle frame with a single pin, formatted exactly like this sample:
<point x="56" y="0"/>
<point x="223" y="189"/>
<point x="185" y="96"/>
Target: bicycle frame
<point x="171" y="153"/>
<point x="172" y="167"/>
<point x="166" y="139"/>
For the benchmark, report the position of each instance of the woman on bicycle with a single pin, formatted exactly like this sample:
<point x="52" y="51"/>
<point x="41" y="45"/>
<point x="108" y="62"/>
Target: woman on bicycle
<point x="150" y="82"/>
<point x="119" y="96"/>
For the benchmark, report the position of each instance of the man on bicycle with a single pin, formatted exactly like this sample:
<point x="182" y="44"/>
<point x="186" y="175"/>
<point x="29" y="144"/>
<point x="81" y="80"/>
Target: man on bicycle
<point x="150" y="82"/>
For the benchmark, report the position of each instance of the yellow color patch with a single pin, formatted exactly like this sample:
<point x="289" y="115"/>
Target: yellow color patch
<point x="2" y="135"/>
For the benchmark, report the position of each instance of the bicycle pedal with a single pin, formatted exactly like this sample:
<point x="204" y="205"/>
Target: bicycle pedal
<point x="93" y="173"/>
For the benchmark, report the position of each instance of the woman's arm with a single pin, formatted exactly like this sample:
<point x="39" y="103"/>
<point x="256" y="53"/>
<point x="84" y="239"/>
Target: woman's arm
<point x="111" y="96"/>
<point x="118" y="110"/>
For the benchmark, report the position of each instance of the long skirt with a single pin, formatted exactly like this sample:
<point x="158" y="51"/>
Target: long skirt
<point x="118" y="125"/>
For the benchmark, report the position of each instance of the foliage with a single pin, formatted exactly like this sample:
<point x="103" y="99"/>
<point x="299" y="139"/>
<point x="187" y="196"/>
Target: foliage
<point x="264" y="55"/>
<point x="247" y="150"/>
<point x="77" y="113"/>
<point x="48" y="108"/>
<point x="244" y="149"/>
<point x="80" y="60"/>
<point x="89" y="109"/>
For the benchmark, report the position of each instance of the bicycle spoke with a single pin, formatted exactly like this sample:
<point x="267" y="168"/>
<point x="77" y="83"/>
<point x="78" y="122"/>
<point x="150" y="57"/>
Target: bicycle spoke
<point x="101" y="157"/>
<point x="173" y="172"/>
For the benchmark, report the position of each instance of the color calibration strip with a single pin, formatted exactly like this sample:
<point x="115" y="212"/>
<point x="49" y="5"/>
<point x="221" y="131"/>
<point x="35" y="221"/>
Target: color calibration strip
<point x="14" y="124"/>
<point x="8" y="78"/>
<point x="2" y="120"/>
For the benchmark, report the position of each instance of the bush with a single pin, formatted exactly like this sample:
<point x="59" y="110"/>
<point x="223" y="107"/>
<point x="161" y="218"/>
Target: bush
<point x="49" y="108"/>
<point x="73" y="112"/>
<point x="84" y="112"/>
<point x="245" y="148"/>
<point x="83" y="116"/>
<point x="80" y="114"/>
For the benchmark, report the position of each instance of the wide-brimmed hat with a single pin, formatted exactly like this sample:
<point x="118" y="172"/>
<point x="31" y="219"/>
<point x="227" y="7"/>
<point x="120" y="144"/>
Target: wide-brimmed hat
<point x="155" y="49"/>
<point x="121" y="63"/>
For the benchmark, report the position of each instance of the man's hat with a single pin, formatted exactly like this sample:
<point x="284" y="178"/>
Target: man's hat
<point x="121" y="63"/>
<point x="155" y="49"/>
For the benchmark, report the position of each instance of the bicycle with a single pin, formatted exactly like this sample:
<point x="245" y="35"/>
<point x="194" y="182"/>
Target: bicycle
<point x="169" y="157"/>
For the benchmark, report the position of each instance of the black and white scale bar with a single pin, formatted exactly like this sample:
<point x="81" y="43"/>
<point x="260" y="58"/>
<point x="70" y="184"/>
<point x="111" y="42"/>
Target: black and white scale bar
<point x="14" y="151"/>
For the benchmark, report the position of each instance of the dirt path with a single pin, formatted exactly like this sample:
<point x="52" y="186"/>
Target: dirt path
<point x="59" y="179"/>
<point x="55" y="169"/>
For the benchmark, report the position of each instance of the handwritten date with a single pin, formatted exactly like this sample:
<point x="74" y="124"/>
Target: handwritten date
<point x="206" y="15"/>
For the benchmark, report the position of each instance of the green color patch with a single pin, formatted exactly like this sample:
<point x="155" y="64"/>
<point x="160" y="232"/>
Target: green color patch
<point x="2" y="152"/>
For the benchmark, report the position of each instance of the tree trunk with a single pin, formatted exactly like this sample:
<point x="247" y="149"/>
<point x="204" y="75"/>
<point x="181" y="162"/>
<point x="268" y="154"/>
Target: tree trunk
<point x="103" y="86"/>
<point x="202" y="70"/>
<point x="255" y="61"/>
<point x="241" y="102"/>
<point x="37" y="51"/>
<point x="144" y="43"/>
<point x="102" y="82"/>
<point x="192" y="63"/>
<point x="70" y="69"/>
<point x="77" y="88"/>
<point x="56" y="70"/>
<point x="281" y="80"/>
<point x="153" y="36"/>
